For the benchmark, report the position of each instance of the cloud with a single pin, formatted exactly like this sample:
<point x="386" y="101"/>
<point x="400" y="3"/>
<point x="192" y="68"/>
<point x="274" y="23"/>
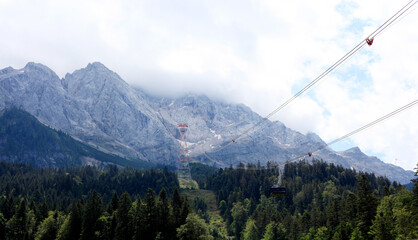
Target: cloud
<point x="258" y="53"/>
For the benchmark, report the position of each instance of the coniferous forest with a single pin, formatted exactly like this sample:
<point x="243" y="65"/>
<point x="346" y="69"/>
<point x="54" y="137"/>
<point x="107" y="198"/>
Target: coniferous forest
<point x="322" y="201"/>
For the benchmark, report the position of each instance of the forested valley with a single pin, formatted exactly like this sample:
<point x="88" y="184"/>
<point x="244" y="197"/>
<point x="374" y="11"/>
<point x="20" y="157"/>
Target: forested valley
<point x="322" y="201"/>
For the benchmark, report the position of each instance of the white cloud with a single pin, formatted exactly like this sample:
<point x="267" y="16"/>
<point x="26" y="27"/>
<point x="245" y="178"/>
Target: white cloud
<point x="255" y="52"/>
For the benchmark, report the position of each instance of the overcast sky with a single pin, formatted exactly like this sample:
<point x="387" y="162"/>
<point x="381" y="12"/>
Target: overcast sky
<point x="258" y="53"/>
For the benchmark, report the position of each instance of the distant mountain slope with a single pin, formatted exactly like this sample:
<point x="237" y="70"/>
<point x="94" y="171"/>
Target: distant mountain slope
<point x="96" y="106"/>
<point x="24" y="139"/>
<point x="213" y="124"/>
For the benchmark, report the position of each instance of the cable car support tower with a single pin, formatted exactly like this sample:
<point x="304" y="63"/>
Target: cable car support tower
<point x="183" y="168"/>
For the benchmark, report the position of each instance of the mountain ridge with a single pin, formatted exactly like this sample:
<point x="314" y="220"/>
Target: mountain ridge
<point x="24" y="139"/>
<point x="95" y="105"/>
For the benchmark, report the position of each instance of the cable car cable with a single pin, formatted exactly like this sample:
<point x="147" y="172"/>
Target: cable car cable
<point x="336" y="64"/>
<point x="384" y="26"/>
<point x="327" y="71"/>
<point x="397" y="111"/>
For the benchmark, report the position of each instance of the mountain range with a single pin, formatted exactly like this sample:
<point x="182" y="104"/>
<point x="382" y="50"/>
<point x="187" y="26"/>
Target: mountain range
<point x="96" y="106"/>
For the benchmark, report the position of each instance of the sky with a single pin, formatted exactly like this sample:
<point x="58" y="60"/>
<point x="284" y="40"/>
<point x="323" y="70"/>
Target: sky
<point x="259" y="53"/>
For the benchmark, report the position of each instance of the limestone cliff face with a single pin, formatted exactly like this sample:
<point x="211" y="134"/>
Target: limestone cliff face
<point x="95" y="105"/>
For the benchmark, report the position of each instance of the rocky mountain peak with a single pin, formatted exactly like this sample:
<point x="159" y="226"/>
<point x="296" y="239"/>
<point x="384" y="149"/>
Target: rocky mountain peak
<point x="7" y="70"/>
<point x="97" y="65"/>
<point x="92" y="80"/>
<point x="314" y="137"/>
<point x="353" y="151"/>
<point x="39" y="68"/>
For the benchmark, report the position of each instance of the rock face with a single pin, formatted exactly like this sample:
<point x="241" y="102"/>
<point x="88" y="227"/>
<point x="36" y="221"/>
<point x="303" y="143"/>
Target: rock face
<point x="24" y="139"/>
<point x="95" y="105"/>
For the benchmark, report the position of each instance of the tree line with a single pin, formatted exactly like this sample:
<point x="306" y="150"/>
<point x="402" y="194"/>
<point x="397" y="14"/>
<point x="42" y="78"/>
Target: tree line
<point x="152" y="217"/>
<point x="59" y="187"/>
<point x="322" y="201"/>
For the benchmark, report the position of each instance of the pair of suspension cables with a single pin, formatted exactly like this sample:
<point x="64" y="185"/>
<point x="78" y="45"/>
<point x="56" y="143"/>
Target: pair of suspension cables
<point x="369" y="41"/>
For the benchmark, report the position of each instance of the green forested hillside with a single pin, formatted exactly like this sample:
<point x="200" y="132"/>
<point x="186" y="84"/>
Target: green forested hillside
<point x="59" y="187"/>
<point x="24" y="139"/>
<point x="323" y="201"/>
<point x="69" y="203"/>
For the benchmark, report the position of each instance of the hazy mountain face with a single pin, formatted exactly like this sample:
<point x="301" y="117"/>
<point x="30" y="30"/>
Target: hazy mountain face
<point x="96" y="106"/>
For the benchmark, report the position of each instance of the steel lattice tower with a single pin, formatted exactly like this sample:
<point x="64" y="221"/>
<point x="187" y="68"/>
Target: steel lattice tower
<point x="183" y="169"/>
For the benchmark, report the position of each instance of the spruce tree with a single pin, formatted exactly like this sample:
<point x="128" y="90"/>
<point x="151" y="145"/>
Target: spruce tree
<point x="47" y="230"/>
<point x="17" y="225"/>
<point x="137" y="217"/>
<point x="383" y="224"/>
<point x="366" y="207"/>
<point x="150" y="215"/>
<point x="239" y="215"/>
<point x="114" y="203"/>
<point x="71" y="228"/>
<point x="275" y="231"/>
<point x="123" y="224"/>
<point x="92" y="211"/>
<point x="163" y="219"/>
<point x="250" y="231"/>
<point x="176" y="205"/>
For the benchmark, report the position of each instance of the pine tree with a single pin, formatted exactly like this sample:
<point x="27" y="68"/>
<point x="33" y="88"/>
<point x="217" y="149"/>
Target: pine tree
<point x="137" y="217"/>
<point x="150" y="215"/>
<point x="366" y="207"/>
<point x="250" y="231"/>
<point x="163" y="219"/>
<point x="239" y="215"/>
<point x="194" y="228"/>
<point x="176" y="205"/>
<point x="71" y="228"/>
<point x="114" y="203"/>
<point x="383" y="224"/>
<point x="275" y="231"/>
<point x="405" y="226"/>
<point x="47" y="230"/>
<point x="185" y="210"/>
<point x="16" y="227"/>
<point x="92" y="211"/>
<point x="123" y="225"/>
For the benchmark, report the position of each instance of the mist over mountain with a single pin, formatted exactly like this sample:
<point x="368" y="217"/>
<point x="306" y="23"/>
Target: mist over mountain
<point x="96" y="106"/>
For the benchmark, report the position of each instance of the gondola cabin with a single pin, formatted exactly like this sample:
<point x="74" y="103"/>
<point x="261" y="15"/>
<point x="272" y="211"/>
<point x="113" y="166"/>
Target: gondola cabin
<point x="277" y="191"/>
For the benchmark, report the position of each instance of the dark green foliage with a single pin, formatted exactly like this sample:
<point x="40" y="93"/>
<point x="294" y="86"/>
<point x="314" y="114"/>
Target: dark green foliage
<point x="71" y="229"/>
<point x="17" y="226"/>
<point x="150" y="215"/>
<point x="114" y="203"/>
<point x="194" y="228"/>
<point x="201" y="173"/>
<point x="48" y="215"/>
<point x="91" y="213"/>
<point x="123" y="229"/>
<point x="2" y="226"/>
<point x="322" y="201"/>
<point x="48" y="229"/>
<point x="275" y="231"/>
<point x="200" y="205"/>
<point x="66" y="184"/>
<point x="164" y="221"/>
<point x="366" y="206"/>
<point x="176" y="203"/>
